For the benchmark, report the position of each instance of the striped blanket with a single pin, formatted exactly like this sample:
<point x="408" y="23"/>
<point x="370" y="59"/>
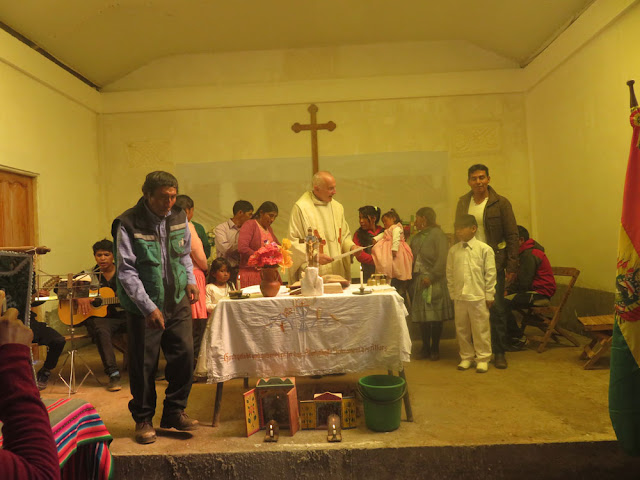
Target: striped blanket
<point x="81" y="438"/>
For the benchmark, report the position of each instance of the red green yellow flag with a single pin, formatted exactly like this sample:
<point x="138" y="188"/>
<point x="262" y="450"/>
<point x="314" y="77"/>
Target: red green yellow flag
<point x="624" y="380"/>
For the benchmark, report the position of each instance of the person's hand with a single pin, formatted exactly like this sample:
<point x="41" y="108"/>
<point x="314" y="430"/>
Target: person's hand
<point x="510" y="277"/>
<point x="323" y="259"/>
<point x="426" y="282"/>
<point x="490" y="304"/>
<point x="84" y="305"/>
<point x="155" y="319"/>
<point x="13" y="330"/>
<point x="193" y="294"/>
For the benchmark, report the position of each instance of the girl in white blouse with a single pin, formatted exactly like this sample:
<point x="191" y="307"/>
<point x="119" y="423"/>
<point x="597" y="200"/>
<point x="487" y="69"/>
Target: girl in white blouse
<point x="218" y="284"/>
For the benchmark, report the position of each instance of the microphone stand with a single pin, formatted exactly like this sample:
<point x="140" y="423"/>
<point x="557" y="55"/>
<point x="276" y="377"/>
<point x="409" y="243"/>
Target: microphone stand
<point x="72" y="354"/>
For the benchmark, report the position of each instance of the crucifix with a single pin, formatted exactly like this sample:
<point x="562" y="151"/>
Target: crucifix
<point x="313" y="126"/>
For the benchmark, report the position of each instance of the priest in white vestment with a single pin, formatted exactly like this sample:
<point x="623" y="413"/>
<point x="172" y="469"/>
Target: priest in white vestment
<point x="317" y="209"/>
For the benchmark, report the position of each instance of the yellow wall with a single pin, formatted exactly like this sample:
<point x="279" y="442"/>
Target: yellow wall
<point x="579" y="134"/>
<point x="48" y="128"/>
<point x="555" y="134"/>
<point x="473" y="129"/>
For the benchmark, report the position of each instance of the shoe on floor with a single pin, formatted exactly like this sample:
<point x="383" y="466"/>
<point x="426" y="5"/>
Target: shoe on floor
<point x="517" y="344"/>
<point x="145" y="433"/>
<point x="482" y="367"/>
<point x="464" y="365"/>
<point x="179" y="421"/>
<point x="435" y="356"/>
<point x="42" y="378"/>
<point x="114" y="383"/>
<point x="500" y="361"/>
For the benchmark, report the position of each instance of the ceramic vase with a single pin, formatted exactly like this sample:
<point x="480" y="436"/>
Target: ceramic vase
<point x="270" y="281"/>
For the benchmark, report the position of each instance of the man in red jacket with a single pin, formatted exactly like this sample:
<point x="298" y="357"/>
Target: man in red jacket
<point x="29" y="450"/>
<point x="534" y="284"/>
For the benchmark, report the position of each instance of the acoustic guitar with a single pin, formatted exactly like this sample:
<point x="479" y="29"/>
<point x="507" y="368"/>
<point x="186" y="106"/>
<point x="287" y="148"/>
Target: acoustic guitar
<point x="98" y="307"/>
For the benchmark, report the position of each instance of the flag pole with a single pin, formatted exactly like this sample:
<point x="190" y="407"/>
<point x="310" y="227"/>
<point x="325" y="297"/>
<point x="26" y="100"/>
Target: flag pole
<point x="633" y="102"/>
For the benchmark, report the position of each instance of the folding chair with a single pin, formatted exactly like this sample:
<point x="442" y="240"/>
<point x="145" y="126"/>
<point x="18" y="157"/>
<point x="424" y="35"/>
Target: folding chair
<point x="546" y="318"/>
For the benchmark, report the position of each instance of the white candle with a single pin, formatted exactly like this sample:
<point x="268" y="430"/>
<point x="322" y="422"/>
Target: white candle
<point x="361" y="278"/>
<point x="238" y="283"/>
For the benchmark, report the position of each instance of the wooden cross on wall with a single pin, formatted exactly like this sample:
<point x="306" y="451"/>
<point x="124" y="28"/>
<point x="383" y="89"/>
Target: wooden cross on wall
<point x="313" y="126"/>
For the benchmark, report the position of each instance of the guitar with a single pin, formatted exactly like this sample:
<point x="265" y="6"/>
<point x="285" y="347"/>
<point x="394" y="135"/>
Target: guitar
<point x="98" y="307"/>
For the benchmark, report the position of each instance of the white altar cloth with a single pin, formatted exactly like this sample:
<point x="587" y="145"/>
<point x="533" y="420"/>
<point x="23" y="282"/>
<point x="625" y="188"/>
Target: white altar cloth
<point x="299" y="336"/>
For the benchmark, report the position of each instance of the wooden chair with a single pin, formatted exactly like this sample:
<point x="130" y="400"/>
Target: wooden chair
<point x="600" y="328"/>
<point x="546" y="318"/>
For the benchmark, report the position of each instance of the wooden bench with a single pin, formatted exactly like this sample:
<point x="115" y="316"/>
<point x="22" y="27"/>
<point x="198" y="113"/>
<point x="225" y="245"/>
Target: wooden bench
<point x="600" y="328"/>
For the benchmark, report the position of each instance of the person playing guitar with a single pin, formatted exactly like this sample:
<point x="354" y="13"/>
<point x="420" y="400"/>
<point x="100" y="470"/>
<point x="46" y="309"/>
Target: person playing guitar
<point x="102" y="328"/>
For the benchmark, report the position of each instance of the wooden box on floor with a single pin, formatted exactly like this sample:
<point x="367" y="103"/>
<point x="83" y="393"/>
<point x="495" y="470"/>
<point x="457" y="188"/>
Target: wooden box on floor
<point x="272" y="399"/>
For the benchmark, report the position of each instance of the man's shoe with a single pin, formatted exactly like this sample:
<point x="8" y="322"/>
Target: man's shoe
<point x="114" y="383"/>
<point x="435" y="356"/>
<point x="42" y="378"/>
<point x="179" y="421"/>
<point x="500" y="361"/>
<point x="464" y="365"/>
<point x="482" y="367"/>
<point x="145" y="433"/>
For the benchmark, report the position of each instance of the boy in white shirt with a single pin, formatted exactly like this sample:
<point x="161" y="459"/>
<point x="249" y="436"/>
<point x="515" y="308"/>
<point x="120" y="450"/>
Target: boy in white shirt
<point x="471" y="278"/>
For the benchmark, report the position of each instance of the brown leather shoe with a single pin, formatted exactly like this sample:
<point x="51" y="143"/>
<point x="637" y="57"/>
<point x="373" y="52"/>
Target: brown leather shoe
<point x="179" y="421"/>
<point x="500" y="361"/>
<point x="145" y="433"/>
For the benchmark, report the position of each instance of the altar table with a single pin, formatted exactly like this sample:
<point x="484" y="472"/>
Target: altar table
<point x="301" y="336"/>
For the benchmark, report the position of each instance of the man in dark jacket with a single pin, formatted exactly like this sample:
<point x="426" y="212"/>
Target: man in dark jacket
<point x="155" y="284"/>
<point x="497" y="227"/>
<point x="534" y="284"/>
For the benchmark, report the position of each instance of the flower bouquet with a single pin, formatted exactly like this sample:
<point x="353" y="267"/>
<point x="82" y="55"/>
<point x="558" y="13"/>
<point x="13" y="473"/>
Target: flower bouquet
<point x="272" y="255"/>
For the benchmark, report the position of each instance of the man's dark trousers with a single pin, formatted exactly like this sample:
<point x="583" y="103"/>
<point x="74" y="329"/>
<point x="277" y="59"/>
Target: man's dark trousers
<point x="144" y="351"/>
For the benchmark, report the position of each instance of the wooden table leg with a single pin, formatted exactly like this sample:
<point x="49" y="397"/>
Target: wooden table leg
<point x="407" y="401"/>
<point x="217" y="403"/>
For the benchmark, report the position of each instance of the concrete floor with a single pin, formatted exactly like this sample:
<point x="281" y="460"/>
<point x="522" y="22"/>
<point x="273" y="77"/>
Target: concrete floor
<point x="540" y="398"/>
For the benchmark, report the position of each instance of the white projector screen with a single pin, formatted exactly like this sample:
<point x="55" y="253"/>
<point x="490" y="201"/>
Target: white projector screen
<point x="405" y="181"/>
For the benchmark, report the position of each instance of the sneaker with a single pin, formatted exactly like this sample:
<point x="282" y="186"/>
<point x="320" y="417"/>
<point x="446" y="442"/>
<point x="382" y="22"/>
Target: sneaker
<point x="145" y="433"/>
<point x="178" y="420"/>
<point x="42" y="378"/>
<point x="114" y="383"/>
<point x="517" y="344"/>
<point x="464" y="365"/>
<point x="482" y="367"/>
<point x="500" y="361"/>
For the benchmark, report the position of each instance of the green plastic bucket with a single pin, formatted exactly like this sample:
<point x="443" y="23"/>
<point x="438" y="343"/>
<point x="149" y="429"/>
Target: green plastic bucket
<point x="382" y="396"/>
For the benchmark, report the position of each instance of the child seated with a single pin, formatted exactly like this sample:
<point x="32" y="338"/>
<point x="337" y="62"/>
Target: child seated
<point x="471" y="278"/>
<point x="534" y="283"/>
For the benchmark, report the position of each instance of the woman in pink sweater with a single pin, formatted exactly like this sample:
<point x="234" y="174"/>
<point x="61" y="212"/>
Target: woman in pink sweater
<point x="252" y="236"/>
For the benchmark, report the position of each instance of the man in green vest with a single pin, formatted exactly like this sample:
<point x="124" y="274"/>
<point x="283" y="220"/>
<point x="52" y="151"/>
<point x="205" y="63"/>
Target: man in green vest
<point x="156" y="285"/>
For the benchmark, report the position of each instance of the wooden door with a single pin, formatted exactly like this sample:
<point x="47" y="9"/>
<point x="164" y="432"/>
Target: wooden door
<point x="17" y="210"/>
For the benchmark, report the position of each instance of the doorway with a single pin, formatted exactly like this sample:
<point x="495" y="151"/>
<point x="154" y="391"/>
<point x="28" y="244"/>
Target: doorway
<point x="17" y="209"/>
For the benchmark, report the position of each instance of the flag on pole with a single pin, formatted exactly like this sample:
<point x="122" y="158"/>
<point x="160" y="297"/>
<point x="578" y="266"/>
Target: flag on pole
<point x="624" y="380"/>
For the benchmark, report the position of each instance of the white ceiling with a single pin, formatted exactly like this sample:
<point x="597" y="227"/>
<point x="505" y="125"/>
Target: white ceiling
<point x="103" y="40"/>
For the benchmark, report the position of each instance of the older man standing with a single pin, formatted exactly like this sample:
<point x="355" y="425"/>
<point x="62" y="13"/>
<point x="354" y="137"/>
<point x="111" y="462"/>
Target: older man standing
<point x="498" y="228"/>
<point x="155" y="285"/>
<point x="316" y="209"/>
